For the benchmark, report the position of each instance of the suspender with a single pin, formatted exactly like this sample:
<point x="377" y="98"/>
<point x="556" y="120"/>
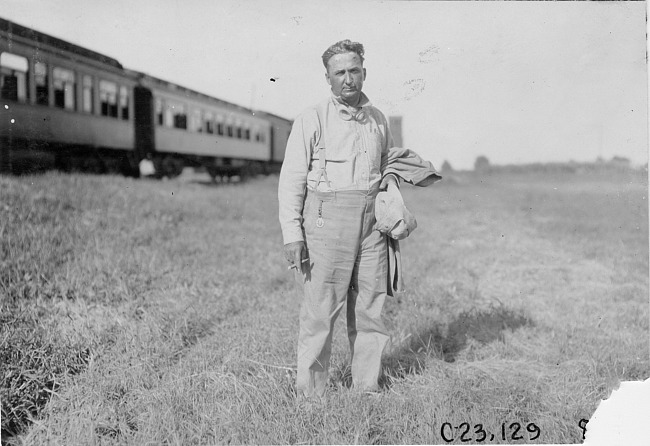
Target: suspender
<point x="322" y="173"/>
<point x="321" y="155"/>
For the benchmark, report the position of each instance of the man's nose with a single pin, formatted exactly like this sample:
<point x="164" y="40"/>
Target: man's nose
<point x="348" y="78"/>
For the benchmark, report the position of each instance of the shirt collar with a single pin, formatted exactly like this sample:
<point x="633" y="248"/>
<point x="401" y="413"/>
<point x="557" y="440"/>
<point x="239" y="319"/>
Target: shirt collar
<point x="349" y="113"/>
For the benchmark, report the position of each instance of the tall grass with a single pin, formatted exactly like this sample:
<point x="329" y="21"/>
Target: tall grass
<point x="139" y="312"/>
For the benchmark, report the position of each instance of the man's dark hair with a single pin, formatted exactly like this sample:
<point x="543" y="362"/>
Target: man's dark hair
<point x="344" y="46"/>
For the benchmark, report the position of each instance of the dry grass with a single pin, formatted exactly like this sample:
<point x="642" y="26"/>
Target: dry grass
<point x="138" y="312"/>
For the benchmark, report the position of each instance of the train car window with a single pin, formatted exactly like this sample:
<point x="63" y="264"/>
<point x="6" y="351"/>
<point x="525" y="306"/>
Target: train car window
<point x="247" y="134"/>
<point x="13" y="77"/>
<point x="239" y="134"/>
<point x="220" y="125"/>
<point x="208" y="123"/>
<point x="180" y="121"/>
<point x="40" y="77"/>
<point x="124" y="102"/>
<point x="180" y="118"/>
<point x="177" y="115"/>
<point x="108" y="98"/>
<point x="159" y="111"/>
<point x="64" y="88"/>
<point x="87" y="95"/>
<point x="229" y="130"/>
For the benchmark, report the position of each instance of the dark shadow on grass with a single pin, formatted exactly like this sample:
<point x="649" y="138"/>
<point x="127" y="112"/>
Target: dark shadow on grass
<point x="485" y="326"/>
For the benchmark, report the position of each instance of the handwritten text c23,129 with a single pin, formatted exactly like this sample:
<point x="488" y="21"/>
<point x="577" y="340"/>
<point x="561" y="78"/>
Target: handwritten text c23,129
<point x="509" y="431"/>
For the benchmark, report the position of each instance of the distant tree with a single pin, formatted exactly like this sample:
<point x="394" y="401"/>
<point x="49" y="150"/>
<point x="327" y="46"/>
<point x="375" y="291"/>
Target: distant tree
<point x="621" y="161"/>
<point x="446" y="167"/>
<point x="481" y="164"/>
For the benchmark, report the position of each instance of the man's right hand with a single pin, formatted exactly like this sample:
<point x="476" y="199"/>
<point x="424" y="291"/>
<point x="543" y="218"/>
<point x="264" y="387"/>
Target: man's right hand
<point x="296" y="254"/>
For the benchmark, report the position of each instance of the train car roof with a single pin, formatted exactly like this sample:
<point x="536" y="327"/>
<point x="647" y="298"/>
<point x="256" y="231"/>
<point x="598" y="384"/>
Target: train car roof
<point x="158" y="82"/>
<point x="37" y="36"/>
<point x="273" y="115"/>
<point x="196" y="94"/>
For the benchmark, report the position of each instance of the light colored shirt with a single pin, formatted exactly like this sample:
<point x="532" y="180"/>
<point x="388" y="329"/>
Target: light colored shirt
<point x="356" y="142"/>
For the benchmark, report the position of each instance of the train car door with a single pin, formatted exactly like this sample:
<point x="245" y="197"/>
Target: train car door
<point x="144" y="123"/>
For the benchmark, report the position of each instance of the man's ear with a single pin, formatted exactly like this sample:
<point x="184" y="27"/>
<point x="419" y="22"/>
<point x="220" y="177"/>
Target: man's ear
<point x="327" y="78"/>
<point x="364" y="74"/>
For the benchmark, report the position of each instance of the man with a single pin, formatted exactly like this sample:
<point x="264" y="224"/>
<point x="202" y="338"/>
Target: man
<point x="338" y="156"/>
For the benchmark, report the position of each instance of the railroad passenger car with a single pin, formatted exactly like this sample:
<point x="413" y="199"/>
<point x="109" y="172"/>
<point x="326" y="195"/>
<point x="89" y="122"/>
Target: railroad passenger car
<point x="62" y="99"/>
<point x="188" y="128"/>
<point x="86" y="110"/>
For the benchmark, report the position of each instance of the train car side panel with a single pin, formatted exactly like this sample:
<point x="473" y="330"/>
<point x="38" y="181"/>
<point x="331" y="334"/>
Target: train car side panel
<point x="35" y="123"/>
<point x="185" y="143"/>
<point x="189" y="123"/>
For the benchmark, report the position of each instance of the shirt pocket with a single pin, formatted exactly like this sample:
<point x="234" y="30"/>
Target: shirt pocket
<point x="340" y="148"/>
<point x="340" y="160"/>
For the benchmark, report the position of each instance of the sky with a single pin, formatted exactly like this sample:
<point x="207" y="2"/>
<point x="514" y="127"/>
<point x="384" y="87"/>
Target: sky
<point x="517" y="82"/>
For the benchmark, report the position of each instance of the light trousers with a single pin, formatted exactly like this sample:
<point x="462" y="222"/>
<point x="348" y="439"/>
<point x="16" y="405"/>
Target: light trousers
<point x="347" y="263"/>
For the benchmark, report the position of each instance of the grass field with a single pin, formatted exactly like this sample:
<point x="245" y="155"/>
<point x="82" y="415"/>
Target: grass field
<point x="162" y="312"/>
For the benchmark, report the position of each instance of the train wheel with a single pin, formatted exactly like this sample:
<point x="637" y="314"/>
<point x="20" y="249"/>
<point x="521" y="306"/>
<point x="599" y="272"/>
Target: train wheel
<point x="5" y="156"/>
<point x="172" y="167"/>
<point x="62" y="161"/>
<point x="93" y="164"/>
<point x="128" y="166"/>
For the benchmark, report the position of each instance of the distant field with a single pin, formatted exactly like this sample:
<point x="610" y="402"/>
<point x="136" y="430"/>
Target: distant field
<point x="138" y="311"/>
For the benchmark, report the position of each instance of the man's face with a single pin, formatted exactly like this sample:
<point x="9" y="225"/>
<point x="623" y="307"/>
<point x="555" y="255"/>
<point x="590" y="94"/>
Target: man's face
<point x="345" y="73"/>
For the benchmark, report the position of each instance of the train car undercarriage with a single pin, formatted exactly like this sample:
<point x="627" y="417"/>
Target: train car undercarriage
<point x="21" y="157"/>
